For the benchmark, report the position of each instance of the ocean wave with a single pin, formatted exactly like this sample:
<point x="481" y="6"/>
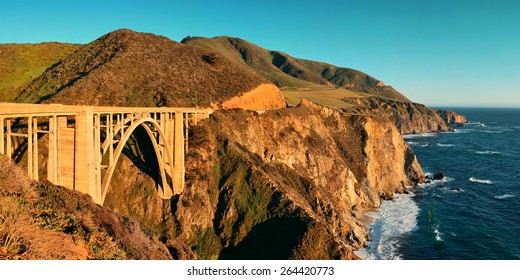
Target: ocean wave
<point x="463" y="130"/>
<point x="438" y="234"/>
<point x="487" y="152"/>
<point x="412" y="143"/>
<point x="420" y="135"/>
<point x="504" y="196"/>
<point x="445" y="145"/>
<point x="475" y="180"/>
<point x="434" y="182"/>
<point x="392" y="220"/>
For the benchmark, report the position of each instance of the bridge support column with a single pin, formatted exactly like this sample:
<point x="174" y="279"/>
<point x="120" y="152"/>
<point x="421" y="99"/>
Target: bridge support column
<point x="85" y="178"/>
<point x="178" y="176"/>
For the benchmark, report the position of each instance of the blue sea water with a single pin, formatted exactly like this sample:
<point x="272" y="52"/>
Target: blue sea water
<point x="473" y="213"/>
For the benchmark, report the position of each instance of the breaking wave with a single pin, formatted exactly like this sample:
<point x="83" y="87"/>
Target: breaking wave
<point x="411" y="136"/>
<point x="445" y="145"/>
<point x="392" y="221"/>
<point x="475" y="180"/>
<point x="504" y="196"/>
<point x="438" y="234"/>
<point x="487" y="152"/>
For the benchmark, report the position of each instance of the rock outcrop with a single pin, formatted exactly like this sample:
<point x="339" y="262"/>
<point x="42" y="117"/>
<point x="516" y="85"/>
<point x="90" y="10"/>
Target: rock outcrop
<point x="410" y="118"/>
<point x="452" y="117"/>
<point x="282" y="184"/>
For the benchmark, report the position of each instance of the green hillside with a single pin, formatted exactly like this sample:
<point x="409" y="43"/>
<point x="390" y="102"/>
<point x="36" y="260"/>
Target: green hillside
<point x="297" y="76"/>
<point x="21" y="63"/>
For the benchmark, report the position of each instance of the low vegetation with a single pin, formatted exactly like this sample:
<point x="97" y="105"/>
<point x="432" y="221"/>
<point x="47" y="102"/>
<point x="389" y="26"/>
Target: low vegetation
<point x="21" y="63"/>
<point x="41" y="221"/>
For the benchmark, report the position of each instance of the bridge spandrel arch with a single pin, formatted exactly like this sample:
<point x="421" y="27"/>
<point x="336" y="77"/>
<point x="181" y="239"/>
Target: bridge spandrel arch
<point x="163" y="152"/>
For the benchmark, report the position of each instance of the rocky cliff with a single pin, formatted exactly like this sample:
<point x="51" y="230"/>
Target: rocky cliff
<point x="452" y="117"/>
<point x="284" y="183"/>
<point x="409" y="117"/>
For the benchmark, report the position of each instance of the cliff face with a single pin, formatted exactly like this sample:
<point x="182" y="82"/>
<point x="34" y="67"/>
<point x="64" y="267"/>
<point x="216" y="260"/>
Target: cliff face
<point x="451" y="117"/>
<point x="410" y="118"/>
<point x="282" y="184"/>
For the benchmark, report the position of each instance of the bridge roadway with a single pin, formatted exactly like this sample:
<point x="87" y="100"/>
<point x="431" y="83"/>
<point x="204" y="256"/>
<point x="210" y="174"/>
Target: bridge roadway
<point x="84" y="143"/>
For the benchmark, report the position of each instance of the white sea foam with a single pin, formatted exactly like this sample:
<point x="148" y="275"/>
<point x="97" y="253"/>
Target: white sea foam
<point x="463" y="130"/>
<point x="412" y="143"/>
<point x="438" y="233"/>
<point x="445" y="145"/>
<point x="493" y="131"/>
<point x="487" y="152"/>
<point x="504" y="196"/>
<point x="475" y="180"/>
<point x="426" y="145"/>
<point x="392" y="221"/>
<point x="411" y="136"/>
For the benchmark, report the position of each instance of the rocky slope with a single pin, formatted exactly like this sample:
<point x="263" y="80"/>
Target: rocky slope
<point x="409" y="117"/>
<point x="126" y="68"/>
<point x="452" y="117"/>
<point x="278" y="185"/>
<point x="43" y="221"/>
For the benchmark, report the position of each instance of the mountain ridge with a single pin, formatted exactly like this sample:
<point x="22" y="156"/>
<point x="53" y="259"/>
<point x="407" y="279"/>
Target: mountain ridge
<point x="127" y="68"/>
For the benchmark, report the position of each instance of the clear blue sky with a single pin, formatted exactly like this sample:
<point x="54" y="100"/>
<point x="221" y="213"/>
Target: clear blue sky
<point x="437" y="52"/>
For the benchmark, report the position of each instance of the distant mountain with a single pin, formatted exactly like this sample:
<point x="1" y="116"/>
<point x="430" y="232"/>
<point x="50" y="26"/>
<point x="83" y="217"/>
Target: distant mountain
<point x="291" y="73"/>
<point x="127" y="68"/>
<point x="21" y="63"/>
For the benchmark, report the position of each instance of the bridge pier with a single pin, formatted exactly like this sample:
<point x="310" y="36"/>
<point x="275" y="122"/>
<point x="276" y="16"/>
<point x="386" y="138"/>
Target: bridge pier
<point x="85" y="177"/>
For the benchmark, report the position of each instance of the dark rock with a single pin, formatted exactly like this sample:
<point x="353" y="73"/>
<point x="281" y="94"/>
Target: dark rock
<point x="442" y="187"/>
<point x="427" y="177"/>
<point x="428" y="181"/>
<point x="438" y="175"/>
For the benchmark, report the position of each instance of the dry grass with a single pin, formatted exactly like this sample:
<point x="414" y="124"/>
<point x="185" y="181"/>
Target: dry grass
<point x="326" y="96"/>
<point x="41" y="221"/>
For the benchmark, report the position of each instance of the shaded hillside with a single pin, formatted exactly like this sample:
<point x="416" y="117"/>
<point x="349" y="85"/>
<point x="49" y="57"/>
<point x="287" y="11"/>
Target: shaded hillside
<point x="288" y="72"/>
<point x="21" y="63"/>
<point x="43" y="221"/>
<point x="126" y="68"/>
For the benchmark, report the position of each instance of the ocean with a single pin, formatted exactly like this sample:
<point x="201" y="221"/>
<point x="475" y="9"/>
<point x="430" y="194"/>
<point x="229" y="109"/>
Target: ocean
<point x="471" y="214"/>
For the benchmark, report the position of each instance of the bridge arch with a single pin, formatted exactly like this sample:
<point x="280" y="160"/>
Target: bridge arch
<point x="162" y="159"/>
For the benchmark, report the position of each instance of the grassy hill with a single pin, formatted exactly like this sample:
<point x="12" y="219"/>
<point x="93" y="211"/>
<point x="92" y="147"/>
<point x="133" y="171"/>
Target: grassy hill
<point x="21" y="63"/>
<point x="297" y="76"/>
<point x="127" y="68"/>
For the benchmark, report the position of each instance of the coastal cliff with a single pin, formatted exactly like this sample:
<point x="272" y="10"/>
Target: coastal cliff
<point x="281" y="184"/>
<point x="410" y="118"/>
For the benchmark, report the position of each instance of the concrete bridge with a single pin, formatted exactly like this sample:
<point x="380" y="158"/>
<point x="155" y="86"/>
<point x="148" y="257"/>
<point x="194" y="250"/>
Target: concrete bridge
<point x="84" y="143"/>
